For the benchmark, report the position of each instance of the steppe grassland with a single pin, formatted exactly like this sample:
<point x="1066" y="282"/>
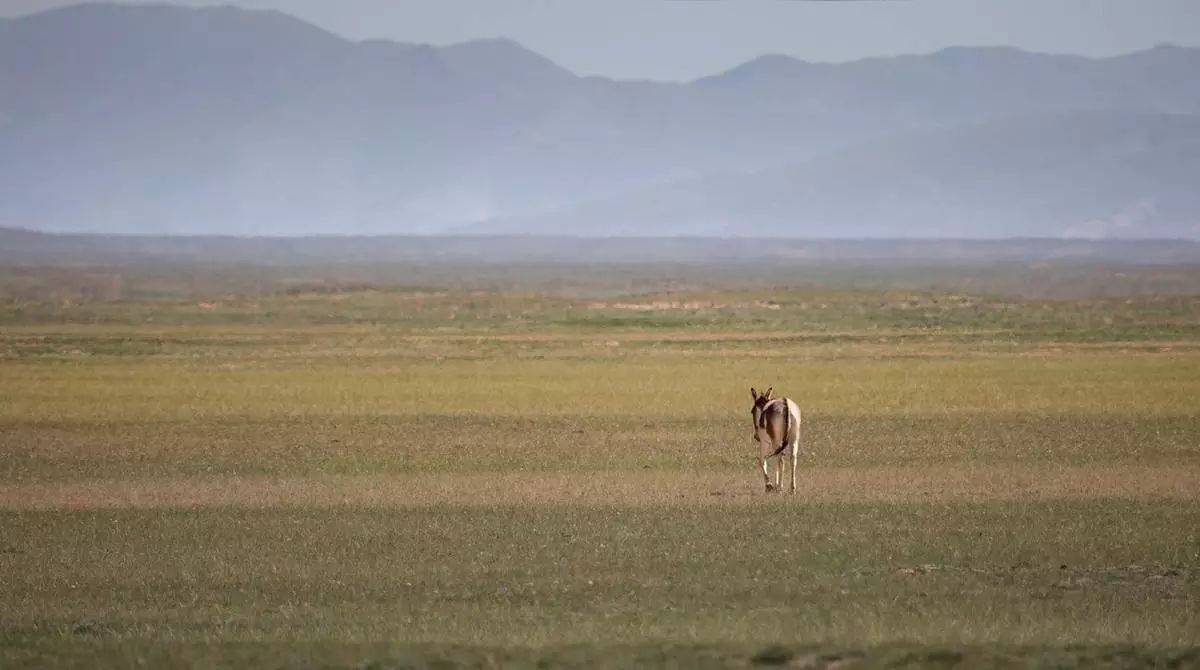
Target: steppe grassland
<point x="506" y="473"/>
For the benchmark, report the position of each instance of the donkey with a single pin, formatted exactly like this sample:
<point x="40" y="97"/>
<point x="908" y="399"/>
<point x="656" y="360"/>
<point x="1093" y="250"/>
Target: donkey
<point x="777" y="431"/>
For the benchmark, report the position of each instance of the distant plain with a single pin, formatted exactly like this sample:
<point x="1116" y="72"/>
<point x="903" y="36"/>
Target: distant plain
<point x="506" y="465"/>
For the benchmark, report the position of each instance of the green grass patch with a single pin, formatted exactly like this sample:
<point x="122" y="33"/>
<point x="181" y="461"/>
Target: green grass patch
<point x="856" y="575"/>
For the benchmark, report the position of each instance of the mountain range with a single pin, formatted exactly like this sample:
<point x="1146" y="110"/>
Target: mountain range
<point x="171" y="120"/>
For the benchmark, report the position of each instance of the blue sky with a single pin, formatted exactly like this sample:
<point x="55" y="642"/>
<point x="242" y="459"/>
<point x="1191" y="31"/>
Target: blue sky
<point x="681" y="40"/>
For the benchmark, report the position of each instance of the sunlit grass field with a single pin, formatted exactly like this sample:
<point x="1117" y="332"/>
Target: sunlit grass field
<point x="401" y="476"/>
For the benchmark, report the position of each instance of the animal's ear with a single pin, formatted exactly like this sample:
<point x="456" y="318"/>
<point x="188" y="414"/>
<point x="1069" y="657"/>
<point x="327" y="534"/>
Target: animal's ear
<point x="767" y="395"/>
<point x="753" y="393"/>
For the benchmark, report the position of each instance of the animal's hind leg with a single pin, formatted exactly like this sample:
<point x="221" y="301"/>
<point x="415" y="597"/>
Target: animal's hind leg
<point x="779" y="472"/>
<point x="762" y="463"/>
<point x="795" y="461"/>
<point x="782" y="470"/>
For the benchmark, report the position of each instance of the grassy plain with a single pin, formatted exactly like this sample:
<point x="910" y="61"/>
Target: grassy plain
<point x="375" y="475"/>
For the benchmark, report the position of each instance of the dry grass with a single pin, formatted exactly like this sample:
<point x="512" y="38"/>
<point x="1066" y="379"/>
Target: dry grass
<point x="927" y="484"/>
<point x="462" y="476"/>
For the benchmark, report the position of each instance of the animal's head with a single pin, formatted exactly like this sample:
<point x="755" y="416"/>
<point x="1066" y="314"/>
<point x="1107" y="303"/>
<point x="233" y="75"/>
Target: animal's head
<point x="760" y="401"/>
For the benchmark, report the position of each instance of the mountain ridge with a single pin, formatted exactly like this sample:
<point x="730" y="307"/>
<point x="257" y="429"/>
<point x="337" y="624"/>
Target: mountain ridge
<point x="154" y="118"/>
<point x="72" y="11"/>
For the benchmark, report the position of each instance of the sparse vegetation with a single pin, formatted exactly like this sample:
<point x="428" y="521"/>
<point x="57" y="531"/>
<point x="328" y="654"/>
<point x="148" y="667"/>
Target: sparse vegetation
<point x="388" y="474"/>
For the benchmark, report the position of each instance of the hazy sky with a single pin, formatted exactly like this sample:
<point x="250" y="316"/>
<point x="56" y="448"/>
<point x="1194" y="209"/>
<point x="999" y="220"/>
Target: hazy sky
<point x="644" y="39"/>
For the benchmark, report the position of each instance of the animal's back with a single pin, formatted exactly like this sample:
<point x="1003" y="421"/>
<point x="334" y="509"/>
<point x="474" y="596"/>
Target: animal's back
<point x="781" y="418"/>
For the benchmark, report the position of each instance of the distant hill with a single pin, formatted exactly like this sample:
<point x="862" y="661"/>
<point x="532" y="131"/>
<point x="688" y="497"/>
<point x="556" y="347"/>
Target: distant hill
<point x="1069" y="174"/>
<point x="169" y="120"/>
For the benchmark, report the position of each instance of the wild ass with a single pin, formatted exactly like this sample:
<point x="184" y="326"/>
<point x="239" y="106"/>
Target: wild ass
<point x="777" y="431"/>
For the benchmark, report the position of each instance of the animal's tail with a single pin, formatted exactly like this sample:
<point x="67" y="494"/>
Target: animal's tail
<point x="787" y="423"/>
